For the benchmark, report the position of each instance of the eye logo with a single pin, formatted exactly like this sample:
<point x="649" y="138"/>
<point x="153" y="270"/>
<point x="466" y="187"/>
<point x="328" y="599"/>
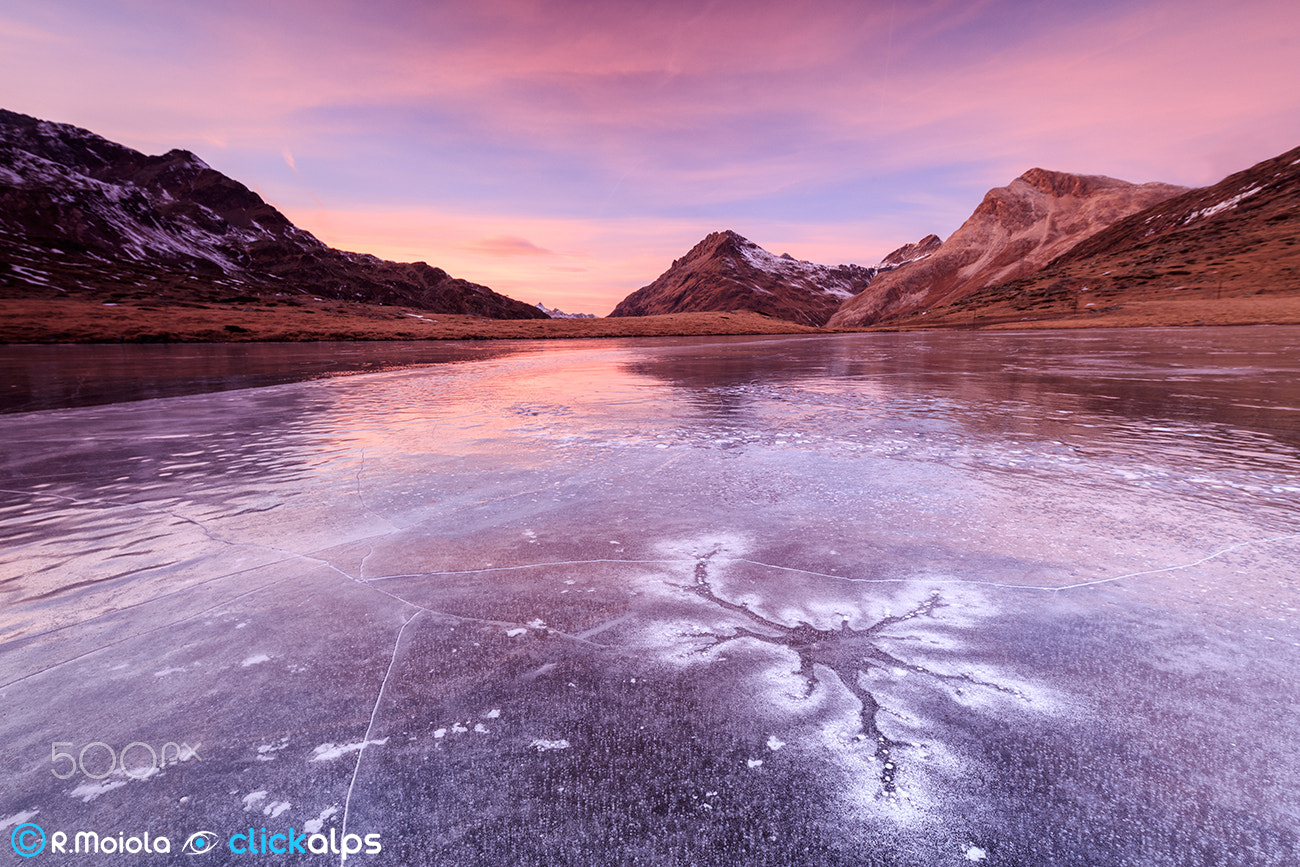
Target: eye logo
<point x="28" y="840"/>
<point x="199" y="843"/>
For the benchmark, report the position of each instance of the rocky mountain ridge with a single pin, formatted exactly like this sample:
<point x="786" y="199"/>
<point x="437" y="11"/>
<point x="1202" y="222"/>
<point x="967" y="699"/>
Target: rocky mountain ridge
<point x="1014" y="231"/>
<point x="1239" y="237"/>
<point x="726" y="272"/>
<point x="82" y="214"/>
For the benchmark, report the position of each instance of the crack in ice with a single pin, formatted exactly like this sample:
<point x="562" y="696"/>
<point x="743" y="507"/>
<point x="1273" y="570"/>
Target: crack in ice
<point x="1002" y="585"/>
<point x="365" y="740"/>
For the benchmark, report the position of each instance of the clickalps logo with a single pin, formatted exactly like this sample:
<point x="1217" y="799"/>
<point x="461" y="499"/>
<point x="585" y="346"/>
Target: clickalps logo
<point x="29" y="840"/>
<point x="263" y="842"/>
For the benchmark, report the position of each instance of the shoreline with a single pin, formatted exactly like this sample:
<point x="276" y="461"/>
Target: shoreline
<point x="87" y="320"/>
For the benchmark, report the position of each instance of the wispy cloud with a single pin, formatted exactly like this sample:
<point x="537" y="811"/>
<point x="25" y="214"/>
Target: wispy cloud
<point x="506" y="245"/>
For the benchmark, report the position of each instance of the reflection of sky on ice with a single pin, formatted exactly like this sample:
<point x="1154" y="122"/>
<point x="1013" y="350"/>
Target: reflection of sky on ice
<point x="1007" y="593"/>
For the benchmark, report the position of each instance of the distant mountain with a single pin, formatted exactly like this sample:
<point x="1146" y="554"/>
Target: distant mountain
<point x="728" y="272"/>
<point x="1238" y="237"/>
<point x="560" y="314"/>
<point x="1014" y="231"/>
<point x="83" y="215"/>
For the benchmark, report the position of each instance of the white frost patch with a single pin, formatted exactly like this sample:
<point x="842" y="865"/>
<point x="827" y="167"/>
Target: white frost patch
<point x="440" y="733"/>
<point x="494" y="713"/>
<point x="88" y="792"/>
<point x="537" y="623"/>
<point x="515" y="633"/>
<point x="718" y="547"/>
<point x="275" y="808"/>
<point x="543" y="746"/>
<point x="480" y="728"/>
<point x="256" y="659"/>
<point x="774" y="743"/>
<point x="754" y="763"/>
<point x="254" y="799"/>
<point x="18" y="818"/>
<point x="166" y="671"/>
<point x="330" y="752"/>
<point x="975" y="853"/>
<point x="265" y="750"/>
<point x="313" y="826"/>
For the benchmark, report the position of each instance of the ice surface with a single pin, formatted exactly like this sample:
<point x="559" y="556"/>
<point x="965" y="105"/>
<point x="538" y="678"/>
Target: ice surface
<point x="895" y="599"/>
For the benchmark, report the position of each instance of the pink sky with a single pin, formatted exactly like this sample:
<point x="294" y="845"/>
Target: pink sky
<point x="567" y="152"/>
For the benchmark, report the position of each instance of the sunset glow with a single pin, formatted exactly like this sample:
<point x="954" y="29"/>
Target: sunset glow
<point x="566" y="153"/>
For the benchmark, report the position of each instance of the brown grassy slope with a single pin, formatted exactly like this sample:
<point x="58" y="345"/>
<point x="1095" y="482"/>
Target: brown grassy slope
<point x="1015" y="230"/>
<point x="90" y="320"/>
<point x="1228" y="254"/>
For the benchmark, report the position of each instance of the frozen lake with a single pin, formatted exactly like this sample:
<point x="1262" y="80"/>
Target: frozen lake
<point x="880" y="599"/>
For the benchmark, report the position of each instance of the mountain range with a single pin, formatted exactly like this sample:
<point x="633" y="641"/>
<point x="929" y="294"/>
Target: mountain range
<point x="1048" y="246"/>
<point x="85" y="218"/>
<point x="726" y="272"/>
<point x="1014" y="231"/>
<point x="80" y="214"/>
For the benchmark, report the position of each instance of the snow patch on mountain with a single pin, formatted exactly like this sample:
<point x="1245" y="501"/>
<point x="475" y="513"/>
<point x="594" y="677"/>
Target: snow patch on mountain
<point x="555" y="313"/>
<point x="1219" y="207"/>
<point x="841" y="282"/>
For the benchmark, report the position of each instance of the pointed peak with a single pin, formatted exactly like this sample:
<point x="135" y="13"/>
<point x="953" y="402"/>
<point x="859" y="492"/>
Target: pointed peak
<point x="912" y="252"/>
<point x="716" y="243"/>
<point x="184" y="156"/>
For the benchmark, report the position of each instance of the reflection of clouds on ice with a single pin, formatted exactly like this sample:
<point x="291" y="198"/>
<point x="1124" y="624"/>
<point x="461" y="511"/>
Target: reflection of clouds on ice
<point x="915" y="545"/>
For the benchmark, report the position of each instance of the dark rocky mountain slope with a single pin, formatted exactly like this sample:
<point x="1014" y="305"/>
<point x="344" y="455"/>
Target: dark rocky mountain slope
<point x="82" y="215"/>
